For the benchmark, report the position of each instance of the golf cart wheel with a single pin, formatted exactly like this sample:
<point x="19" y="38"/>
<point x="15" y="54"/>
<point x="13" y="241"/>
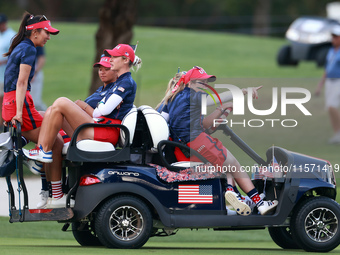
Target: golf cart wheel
<point x="315" y="224"/>
<point x="124" y="222"/>
<point x="284" y="57"/>
<point x="282" y="236"/>
<point x="85" y="234"/>
<point x="321" y="56"/>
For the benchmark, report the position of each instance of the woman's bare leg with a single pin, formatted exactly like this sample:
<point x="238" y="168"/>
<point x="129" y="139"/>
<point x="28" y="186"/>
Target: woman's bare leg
<point x="54" y="169"/>
<point x="241" y="177"/>
<point x="54" y="118"/>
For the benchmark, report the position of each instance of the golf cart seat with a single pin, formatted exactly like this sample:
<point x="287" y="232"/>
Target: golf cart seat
<point x="95" y="151"/>
<point x="151" y="131"/>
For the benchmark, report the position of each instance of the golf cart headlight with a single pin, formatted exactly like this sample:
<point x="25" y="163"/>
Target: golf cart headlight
<point x="319" y="38"/>
<point x="292" y="34"/>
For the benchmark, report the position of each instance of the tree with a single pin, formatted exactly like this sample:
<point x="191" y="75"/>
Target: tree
<point x="261" y="21"/>
<point x="116" y="20"/>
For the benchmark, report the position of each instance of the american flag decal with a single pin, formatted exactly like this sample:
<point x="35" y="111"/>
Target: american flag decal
<point x="195" y="194"/>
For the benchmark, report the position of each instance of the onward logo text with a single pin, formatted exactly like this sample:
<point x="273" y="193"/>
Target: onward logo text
<point x="301" y="96"/>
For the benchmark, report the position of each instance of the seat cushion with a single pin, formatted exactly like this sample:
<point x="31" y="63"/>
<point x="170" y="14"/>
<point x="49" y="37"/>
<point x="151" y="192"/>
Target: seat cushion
<point x="186" y="164"/>
<point x="90" y="146"/>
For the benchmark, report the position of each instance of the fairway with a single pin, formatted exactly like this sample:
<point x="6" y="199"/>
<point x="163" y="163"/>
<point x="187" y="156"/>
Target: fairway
<point x="235" y="59"/>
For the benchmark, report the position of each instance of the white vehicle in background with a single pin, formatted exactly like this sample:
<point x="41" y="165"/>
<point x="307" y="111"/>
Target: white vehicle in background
<point x="309" y="38"/>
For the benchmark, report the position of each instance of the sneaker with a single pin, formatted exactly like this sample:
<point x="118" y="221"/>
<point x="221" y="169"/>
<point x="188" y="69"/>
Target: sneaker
<point x="34" y="166"/>
<point x="335" y="139"/>
<point x="237" y="203"/>
<point x="39" y="154"/>
<point x="230" y="211"/>
<point x="250" y="202"/>
<point x="59" y="203"/>
<point x="267" y="207"/>
<point x="44" y="195"/>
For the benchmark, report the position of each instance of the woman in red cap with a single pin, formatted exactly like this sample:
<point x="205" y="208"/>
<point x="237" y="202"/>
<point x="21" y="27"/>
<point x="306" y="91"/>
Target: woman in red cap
<point x="116" y="103"/>
<point x="108" y="77"/>
<point x="182" y="110"/>
<point x="18" y="104"/>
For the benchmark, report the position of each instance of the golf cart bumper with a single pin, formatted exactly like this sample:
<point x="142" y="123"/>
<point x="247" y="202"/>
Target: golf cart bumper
<point x="303" y="51"/>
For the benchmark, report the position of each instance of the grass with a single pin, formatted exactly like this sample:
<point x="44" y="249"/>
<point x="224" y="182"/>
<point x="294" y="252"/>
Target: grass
<point x="46" y="237"/>
<point x="241" y="60"/>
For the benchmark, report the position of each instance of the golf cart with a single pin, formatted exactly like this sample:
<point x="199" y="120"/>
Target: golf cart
<point x="309" y="39"/>
<point x="128" y="193"/>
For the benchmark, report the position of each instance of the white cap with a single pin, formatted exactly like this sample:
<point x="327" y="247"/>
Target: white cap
<point x="336" y="30"/>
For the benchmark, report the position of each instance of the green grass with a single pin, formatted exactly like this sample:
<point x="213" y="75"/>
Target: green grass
<point x="46" y="237"/>
<point x="241" y="60"/>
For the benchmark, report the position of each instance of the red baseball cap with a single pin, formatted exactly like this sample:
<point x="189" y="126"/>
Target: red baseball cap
<point x="46" y="24"/>
<point x="197" y="73"/>
<point x="104" y="61"/>
<point x="122" y="50"/>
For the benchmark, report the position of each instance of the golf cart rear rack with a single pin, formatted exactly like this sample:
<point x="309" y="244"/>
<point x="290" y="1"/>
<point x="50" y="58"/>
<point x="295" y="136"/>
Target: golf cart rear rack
<point x="24" y="214"/>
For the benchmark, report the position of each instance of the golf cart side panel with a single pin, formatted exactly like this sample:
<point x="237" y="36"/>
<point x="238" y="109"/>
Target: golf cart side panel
<point x="89" y="197"/>
<point x="147" y="178"/>
<point x="300" y="51"/>
<point x="321" y="187"/>
<point x="299" y="166"/>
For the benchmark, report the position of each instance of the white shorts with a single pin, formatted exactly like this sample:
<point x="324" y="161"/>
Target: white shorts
<point x="332" y="93"/>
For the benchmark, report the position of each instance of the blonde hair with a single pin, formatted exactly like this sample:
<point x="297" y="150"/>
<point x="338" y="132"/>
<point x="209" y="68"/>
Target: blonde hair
<point x="169" y="95"/>
<point x="136" y="64"/>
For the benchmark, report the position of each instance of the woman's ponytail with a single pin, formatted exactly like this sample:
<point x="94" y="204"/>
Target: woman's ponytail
<point x="27" y="19"/>
<point x="20" y="35"/>
<point x="137" y="63"/>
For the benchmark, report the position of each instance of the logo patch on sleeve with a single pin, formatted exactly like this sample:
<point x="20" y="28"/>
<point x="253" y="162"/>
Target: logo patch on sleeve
<point x="121" y="89"/>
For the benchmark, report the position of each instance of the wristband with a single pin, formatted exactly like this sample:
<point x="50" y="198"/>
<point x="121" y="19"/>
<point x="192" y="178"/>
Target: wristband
<point x="221" y="109"/>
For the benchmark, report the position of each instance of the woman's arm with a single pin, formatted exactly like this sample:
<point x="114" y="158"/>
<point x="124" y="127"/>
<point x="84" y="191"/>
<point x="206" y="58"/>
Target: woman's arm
<point x="320" y="84"/>
<point x="208" y="121"/>
<point x="105" y="108"/>
<point x="21" y="90"/>
<point x="227" y="96"/>
<point x="85" y="106"/>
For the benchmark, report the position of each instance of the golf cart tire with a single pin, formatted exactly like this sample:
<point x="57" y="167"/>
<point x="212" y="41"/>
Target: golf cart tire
<point x="124" y="222"/>
<point x="84" y="234"/>
<point x="284" y="57"/>
<point x="315" y="224"/>
<point x="282" y="237"/>
<point x="321" y="56"/>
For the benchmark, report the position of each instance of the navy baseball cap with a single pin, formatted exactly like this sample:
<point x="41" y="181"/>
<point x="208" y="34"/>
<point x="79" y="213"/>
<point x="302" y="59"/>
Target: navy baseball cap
<point x="3" y="18"/>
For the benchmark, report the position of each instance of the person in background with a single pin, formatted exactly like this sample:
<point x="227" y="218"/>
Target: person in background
<point x="6" y="35"/>
<point x="331" y="81"/>
<point x="37" y="82"/>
